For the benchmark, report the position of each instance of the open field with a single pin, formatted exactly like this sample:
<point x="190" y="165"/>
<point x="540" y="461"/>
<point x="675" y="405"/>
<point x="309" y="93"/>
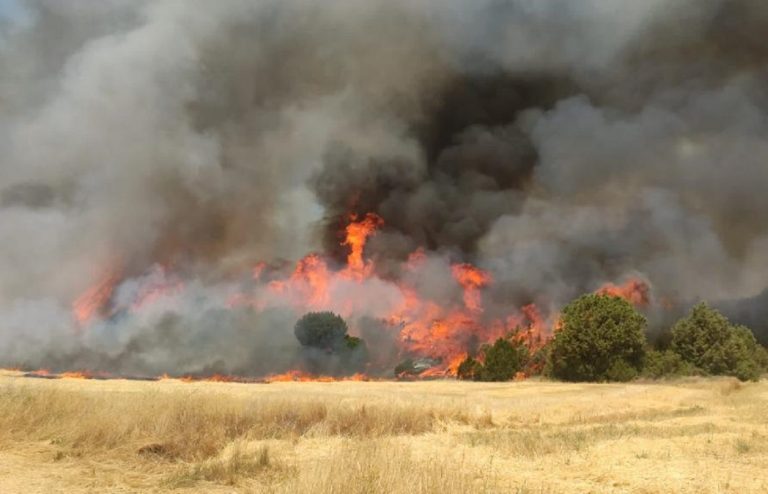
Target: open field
<point x="71" y="435"/>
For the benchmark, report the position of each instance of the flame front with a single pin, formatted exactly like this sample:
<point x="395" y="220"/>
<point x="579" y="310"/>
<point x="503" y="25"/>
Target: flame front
<point x="444" y="331"/>
<point x="357" y="233"/>
<point x="471" y="280"/>
<point x="90" y="304"/>
<point x="634" y="290"/>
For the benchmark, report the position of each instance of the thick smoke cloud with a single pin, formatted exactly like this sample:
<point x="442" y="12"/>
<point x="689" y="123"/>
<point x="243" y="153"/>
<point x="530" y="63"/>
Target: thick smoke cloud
<point x="559" y="145"/>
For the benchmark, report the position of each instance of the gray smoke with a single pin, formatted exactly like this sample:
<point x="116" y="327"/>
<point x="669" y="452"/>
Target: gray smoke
<point x="559" y="145"/>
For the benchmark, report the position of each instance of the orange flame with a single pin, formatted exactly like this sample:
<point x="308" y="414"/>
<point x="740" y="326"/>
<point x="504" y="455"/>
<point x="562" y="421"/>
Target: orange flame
<point x="441" y="334"/>
<point x="313" y="271"/>
<point x="156" y="290"/>
<point x="92" y="302"/>
<point x="74" y="374"/>
<point x="357" y="233"/>
<point x="258" y="270"/>
<point x="634" y="291"/>
<point x="530" y="327"/>
<point x="301" y="376"/>
<point x="471" y="279"/>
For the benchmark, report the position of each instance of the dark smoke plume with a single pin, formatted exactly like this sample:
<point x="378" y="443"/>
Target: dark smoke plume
<point x="559" y="145"/>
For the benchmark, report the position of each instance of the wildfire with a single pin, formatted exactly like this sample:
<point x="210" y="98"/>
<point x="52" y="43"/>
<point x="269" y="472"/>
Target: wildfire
<point x="530" y="326"/>
<point x="300" y="376"/>
<point x="97" y="301"/>
<point x="635" y="291"/>
<point x="91" y="302"/>
<point x="439" y="334"/>
<point x="448" y="333"/>
<point x="357" y="235"/>
<point x="310" y="279"/>
<point x="258" y="270"/>
<point x="159" y="286"/>
<point x="78" y="374"/>
<point x="471" y="279"/>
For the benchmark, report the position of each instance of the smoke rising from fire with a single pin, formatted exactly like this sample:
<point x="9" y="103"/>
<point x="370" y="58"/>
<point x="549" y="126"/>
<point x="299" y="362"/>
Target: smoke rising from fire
<point x="153" y="153"/>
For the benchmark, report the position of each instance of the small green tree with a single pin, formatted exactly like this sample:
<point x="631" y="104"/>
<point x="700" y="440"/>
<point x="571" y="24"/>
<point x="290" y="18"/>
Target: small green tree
<point x="666" y="363"/>
<point x="327" y="346"/>
<point x="708" y="341"/>
<point x="324" y="330"/>
<point x="501" y="361"/>
<point x="761" y="357"/>
<point x="700" y="337"/>
<point x="602" y="338"/>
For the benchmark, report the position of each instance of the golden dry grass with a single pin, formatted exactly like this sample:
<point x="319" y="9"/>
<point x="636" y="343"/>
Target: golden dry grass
<point x="697" y="436"/>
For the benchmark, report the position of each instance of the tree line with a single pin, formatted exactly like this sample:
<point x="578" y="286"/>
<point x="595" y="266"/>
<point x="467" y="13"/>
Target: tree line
<point x="603" y="338"/>
<point x="599" y="338"/>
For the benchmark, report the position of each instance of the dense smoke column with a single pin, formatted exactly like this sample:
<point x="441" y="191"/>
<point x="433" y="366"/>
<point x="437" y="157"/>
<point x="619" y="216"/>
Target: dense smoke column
<point x="559" y="145"/>
<point x="586" y="166"/>
<point x="474" y="166"/>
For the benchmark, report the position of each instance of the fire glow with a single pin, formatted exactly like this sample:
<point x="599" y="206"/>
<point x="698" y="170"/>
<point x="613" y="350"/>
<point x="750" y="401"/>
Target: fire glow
<point x="445" y="332"/>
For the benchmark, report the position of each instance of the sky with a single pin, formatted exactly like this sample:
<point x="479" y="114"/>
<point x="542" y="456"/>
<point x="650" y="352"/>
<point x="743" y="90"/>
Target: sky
<point x="9" y="8"/>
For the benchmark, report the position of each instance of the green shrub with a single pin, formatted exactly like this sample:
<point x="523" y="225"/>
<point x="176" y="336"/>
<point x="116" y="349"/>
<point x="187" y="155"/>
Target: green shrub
<point x="602" y="338"/>
<point x="328" y="349"/>
<point x="708" y="341"/>
<point x="324" y="330"/>
<point x="621" y="371"/>
<point x="501" y="361"/>
<point x="659" y="364"/>
<point x="353" y="342"/>
<point x="761" y="357"/>
<point x="744" y="353"/>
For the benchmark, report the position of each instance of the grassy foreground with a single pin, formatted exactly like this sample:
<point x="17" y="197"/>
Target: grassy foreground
<point x="70" y="435"/>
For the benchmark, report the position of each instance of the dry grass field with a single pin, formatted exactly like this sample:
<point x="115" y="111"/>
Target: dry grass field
<point x="73" y="436"/>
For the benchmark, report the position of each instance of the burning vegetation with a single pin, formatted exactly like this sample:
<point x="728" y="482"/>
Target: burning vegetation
<point x="429" y="338"/>
<point x="426" y="336"/>
<point x="597" y="337"/>
<point x="183" y="182"/>
<point x="427" y="329"/>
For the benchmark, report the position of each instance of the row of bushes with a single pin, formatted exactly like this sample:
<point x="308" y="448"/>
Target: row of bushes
<point x="603" y="338"/>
